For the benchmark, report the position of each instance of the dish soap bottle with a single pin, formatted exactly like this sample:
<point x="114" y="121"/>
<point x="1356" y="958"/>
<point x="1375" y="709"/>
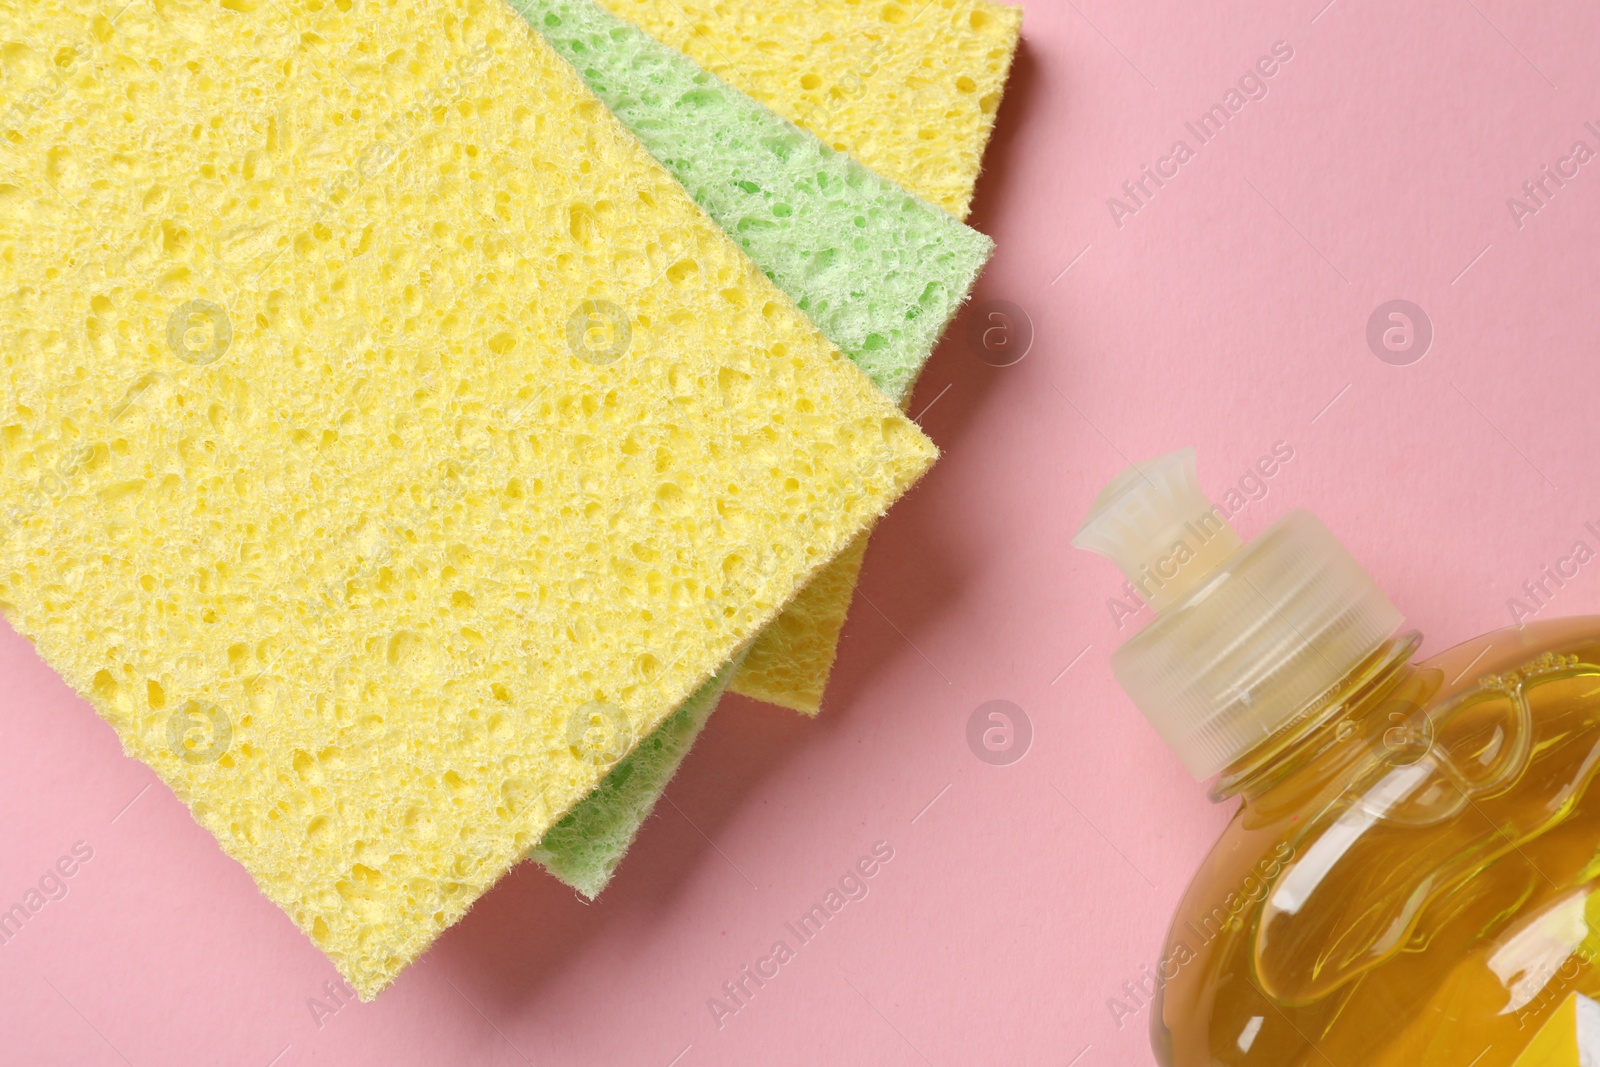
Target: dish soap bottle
<point x="1410" y="876"/>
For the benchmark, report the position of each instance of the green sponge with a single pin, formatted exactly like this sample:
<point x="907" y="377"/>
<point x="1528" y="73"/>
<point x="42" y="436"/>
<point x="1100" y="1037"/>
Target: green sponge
<point x="584" y="848"/>
<point x="879" y="271"/>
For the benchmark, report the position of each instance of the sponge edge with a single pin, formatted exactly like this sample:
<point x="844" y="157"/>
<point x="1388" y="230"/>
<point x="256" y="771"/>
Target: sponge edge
<point x="910" y="88"/>
<point x="365" y="467"/>
<point x="584" y="848"/>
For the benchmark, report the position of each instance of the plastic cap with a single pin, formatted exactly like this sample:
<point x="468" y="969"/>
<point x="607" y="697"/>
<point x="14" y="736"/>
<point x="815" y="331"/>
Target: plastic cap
<point x="1155" y="523"/>
<point x="1244" y="640"/>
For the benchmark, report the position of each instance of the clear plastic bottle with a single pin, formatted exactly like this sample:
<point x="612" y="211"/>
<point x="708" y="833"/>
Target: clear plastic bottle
<point x="1408" y="878"/>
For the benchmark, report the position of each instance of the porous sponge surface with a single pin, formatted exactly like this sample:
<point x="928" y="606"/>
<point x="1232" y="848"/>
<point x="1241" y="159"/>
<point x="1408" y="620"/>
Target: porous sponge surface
<point x="909" y="88"/>
<point x="879" y="271"/>
<point x="386" y="441"/>
<point x="584" y="848"/>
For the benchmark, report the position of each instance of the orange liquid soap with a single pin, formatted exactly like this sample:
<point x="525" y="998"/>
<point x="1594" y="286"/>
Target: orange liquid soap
<point x="1409" y="880"/>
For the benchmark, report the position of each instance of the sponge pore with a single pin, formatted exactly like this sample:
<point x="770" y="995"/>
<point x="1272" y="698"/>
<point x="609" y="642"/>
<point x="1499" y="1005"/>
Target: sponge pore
<point x="879" y="271"/>
<point x="908" y="87"/>
<point x="361" y="460"/>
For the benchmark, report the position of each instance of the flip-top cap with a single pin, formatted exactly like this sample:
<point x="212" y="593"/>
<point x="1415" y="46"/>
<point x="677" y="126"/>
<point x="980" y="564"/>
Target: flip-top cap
<point x="1246" y="636"/>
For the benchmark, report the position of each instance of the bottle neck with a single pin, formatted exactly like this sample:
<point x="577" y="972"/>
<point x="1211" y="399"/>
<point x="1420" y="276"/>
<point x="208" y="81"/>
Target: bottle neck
<point x="1313" y="735"/>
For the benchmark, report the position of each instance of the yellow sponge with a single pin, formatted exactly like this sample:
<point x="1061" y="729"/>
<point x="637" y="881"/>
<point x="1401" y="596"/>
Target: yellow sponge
<point x="386" y="441"/>
<point x="908" y="87"/>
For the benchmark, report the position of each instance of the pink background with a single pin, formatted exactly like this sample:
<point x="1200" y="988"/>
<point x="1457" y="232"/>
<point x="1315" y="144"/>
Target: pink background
<point x="1228" y="313"/>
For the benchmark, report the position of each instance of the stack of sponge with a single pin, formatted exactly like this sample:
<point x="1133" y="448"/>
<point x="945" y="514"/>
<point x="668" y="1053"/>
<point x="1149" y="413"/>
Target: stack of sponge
<point x="413" y="417"/>
<point x="879" y="271"/>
